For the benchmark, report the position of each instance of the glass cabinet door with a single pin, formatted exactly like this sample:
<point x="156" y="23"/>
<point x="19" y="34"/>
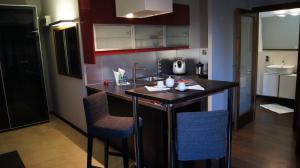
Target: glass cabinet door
<point x="177" y="36"/>
<point x="148" y="36"/>
<point x="4" y="120"/>
<point x="112" y="37"/>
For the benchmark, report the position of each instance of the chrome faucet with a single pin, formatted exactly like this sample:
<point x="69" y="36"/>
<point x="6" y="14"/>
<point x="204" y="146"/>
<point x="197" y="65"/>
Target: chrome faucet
<point x="134" y="69"/>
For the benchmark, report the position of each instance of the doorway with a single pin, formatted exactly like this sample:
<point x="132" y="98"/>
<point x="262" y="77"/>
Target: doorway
<point x="257" y="65"/>
<point x="277" y="64"/>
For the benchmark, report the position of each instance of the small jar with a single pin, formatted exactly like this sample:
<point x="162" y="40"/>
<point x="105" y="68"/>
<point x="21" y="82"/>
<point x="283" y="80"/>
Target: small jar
<point x="170" y="82"/>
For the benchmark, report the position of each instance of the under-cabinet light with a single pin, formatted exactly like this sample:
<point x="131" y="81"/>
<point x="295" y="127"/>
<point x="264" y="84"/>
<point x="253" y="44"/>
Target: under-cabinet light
<point x="63" y="24"/>
<point x="129" y="15"/>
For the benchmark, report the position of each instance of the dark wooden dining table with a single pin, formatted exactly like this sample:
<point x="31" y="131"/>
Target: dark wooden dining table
<point x="172" y="97"/>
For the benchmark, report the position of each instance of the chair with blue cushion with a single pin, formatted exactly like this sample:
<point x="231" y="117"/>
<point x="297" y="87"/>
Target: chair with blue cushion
<point x="102" y="125"/>
<point x="201" y="135"/>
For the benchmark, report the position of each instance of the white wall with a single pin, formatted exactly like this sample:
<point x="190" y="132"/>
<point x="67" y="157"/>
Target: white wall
<point x="67" y="92"/>
<point x="221" y="43"/>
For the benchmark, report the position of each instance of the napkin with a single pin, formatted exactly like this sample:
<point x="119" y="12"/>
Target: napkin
<point x="195" y="87"/>
<point x="155" y="88"/>
<point x="119" y="77"/>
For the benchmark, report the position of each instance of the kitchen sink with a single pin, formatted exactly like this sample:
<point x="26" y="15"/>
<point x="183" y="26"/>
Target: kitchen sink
<point x="280" y="69"/>
<point x="151" y="78"/>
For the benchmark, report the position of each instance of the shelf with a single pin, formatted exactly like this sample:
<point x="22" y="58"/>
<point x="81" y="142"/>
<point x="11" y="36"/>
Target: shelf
<point x="128" y="51"/>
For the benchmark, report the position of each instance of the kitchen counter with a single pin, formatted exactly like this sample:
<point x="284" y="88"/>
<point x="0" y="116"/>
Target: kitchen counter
<point x="172" y="97"/>
<point x="119" y="91"/>
<point x="155" y="127"/>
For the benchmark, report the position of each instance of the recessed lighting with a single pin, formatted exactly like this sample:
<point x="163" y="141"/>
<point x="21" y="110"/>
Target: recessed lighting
<point x="129" y="15"/>
<point x="281" y="15"/>
<point x="294" y="14"/>
<point x="280" y="12"/>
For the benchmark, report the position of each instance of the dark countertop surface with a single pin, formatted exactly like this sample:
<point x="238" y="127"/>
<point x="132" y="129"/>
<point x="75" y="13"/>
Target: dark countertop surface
<point x="173" y="96"/>
<point x="119" y="91"/>
<point x="169" y="96"/>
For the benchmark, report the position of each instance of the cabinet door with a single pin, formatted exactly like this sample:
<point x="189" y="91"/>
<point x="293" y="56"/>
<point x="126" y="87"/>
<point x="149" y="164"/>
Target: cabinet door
<point x="287" y="86"/>
<point x="21" y="65"/>
<point x="270" y="84"/>
<point x="177" y="36"/>
<point x="148" y="36"/>
<point x="4" y="120"/>
<point x="112" y="37"/>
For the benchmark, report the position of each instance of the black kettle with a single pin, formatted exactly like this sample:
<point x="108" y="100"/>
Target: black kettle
<point x="199" y="68"/>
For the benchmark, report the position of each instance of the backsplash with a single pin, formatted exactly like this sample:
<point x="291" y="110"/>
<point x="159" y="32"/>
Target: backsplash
<point x="275" y="57"/>
<point x="102" y="70"/>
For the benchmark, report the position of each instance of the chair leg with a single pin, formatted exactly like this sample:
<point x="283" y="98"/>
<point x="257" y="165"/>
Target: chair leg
<point x="125" y="153"/>
<point x="221" y="163"/>
<point x="141" y="146"/>
<point x="106" y="151"/>
<point x="89" y="152"/>
<point x="208" y="163"/>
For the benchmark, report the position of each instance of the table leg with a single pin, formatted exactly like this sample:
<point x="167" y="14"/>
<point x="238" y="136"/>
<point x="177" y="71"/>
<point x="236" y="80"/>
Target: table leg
<point x="171" y="152"/>
<point x="137" y="132"/>
<point x="229" y="127"/>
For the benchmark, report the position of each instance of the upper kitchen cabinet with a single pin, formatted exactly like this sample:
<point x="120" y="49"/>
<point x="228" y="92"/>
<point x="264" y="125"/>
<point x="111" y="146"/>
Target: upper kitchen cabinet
<point x="148" y="36"/>
<point x="177" y="36"/>
<point x="112" y="37"/>
<point x="280" y="33"/>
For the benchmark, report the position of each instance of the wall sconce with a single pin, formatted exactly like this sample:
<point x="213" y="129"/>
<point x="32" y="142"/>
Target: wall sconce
<point x="63" y="24"/>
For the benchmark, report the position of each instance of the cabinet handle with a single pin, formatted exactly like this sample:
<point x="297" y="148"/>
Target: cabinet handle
<point x="4" y="92"/>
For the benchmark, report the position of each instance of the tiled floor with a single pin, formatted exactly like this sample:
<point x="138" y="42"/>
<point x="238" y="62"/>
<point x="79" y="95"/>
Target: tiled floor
<point x="266" y="143"/>
<point x="52" y="145"/>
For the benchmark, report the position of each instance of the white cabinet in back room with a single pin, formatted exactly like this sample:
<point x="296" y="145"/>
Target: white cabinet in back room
<point x="287" y="86"/>
<point x="270" y="84"/>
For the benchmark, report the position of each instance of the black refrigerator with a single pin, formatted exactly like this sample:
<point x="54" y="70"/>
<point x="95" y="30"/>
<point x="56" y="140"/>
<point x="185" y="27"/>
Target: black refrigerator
<point x="22" y="90"/>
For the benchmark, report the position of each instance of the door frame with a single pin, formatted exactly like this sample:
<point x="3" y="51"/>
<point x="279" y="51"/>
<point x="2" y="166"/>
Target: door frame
<point x="244" y="119"/>
<point x="297" y="96"/>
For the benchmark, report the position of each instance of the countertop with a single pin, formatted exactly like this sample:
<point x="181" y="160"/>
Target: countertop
<point x="173" y="96"/>
<point x="119" y="91"/>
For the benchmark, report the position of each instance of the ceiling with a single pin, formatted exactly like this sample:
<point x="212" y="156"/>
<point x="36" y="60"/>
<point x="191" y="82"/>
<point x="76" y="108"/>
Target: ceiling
<point x="281" y="13"/>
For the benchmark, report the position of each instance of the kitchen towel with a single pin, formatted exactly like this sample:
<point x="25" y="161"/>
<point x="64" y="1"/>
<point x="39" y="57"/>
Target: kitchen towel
<point x="155" y="88"/>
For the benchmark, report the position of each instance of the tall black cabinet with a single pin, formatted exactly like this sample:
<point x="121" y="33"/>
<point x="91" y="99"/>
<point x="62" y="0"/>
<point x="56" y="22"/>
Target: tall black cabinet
<point x="22" y="90"/>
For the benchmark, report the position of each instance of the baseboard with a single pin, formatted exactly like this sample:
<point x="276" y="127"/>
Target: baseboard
<point x="70" y="124"/>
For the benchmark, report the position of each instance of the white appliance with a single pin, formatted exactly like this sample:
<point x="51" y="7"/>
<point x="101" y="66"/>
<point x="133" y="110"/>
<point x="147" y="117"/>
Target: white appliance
<point x="270" y="84"/>
<point x="179" y="66"/>
<point x="142" y="8"/>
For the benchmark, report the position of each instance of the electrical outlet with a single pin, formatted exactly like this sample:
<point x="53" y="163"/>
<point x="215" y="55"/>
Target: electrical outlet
<point x="203" y="51"/>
